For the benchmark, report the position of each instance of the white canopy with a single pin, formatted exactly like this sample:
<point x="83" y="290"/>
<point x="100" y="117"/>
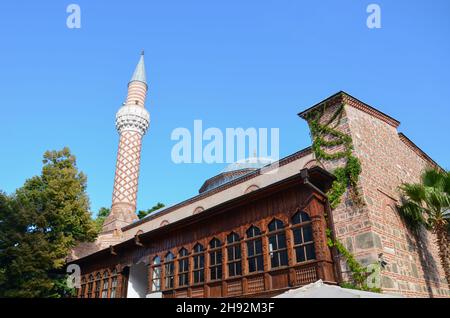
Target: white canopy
<point x="321" y="290"/>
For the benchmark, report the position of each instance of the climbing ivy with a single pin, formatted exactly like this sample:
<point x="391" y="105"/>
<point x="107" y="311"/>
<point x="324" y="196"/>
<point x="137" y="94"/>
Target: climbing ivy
<point x="359" y="273"/>
<point x="325" y="135"/>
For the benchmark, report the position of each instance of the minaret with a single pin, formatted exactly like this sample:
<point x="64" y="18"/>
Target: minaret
<point x="132" y="122"/>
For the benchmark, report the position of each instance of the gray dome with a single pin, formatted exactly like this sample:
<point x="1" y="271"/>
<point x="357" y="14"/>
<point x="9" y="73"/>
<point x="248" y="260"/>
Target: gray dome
<point x="249" y="163"/>
<point x="235" y="171"/>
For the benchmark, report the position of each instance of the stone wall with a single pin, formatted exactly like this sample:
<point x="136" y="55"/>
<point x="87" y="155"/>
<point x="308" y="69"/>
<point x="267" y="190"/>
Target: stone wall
<point x="375" y="227"/>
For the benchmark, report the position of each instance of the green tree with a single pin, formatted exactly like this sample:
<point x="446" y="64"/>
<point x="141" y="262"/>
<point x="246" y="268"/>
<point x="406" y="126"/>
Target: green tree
<point x="427" y="204"/>
<point x="144" y="213"/>
<point x="101" y="217"/>
<point x="39" y="224"/>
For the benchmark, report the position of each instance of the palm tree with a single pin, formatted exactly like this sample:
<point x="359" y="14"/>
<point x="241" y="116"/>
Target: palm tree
<point x="428" y="204"/>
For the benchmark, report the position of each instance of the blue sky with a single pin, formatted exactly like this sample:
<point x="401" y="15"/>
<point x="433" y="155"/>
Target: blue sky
<point x="229" y="63"/>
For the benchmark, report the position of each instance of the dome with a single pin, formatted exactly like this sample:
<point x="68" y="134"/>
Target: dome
<point x="234" y="171"/>
<point x="249" y="163"/>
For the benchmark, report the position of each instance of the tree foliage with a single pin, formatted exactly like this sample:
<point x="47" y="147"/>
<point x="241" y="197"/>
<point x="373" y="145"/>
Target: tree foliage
<point x="144" y="213"/>
<point x="101" y="217"/>
<point x="39" y="224"/>
<point x="427" y="204"/>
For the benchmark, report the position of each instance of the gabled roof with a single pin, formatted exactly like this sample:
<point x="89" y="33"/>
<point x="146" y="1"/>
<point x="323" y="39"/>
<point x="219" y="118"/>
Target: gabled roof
<point x="345" y="98"/>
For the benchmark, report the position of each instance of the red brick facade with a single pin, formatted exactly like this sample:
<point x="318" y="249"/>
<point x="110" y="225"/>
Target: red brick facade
<point x="388" y="159"/>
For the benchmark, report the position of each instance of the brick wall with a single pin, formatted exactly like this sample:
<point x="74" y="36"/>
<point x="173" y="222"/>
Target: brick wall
<point x="413" y="268"/>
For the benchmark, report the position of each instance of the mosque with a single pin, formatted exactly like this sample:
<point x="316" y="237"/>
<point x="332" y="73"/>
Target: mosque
<point x="252" y="233"/>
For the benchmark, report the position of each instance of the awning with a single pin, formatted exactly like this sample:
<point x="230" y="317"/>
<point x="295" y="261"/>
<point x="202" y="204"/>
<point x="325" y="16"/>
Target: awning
<point x="321" y="290"/>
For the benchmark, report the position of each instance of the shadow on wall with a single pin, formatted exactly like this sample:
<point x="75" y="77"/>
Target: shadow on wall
<point x="427" y="262"/>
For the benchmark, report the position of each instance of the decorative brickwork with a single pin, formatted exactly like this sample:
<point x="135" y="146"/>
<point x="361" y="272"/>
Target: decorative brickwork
<point x="132" y="121"/>
<point x="387" y="160"/>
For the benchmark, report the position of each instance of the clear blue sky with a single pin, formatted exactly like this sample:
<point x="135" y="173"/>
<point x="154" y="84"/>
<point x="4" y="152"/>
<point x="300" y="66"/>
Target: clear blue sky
<point x="229" y="63"/>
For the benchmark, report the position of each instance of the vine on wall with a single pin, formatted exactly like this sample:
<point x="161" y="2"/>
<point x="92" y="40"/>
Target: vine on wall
<point x="326" y="136"/>
<point x="359" y="273"/>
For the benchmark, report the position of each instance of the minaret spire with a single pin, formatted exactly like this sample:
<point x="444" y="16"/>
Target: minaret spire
<point x="139" y="72"/>
<point x="132" y="122"/>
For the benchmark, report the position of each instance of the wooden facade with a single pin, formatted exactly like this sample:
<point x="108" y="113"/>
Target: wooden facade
<point x="259" y="244"/>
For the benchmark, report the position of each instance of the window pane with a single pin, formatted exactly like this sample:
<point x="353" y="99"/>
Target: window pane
<point x="273" y="242"/>
<point x="238" y="268"/>
<point x="252" y="265"/>
<point x="283" y="258"/>
<point x="258" y="245"/>
<point x="230" y="253"/>
<point x="281" y="240"/>
<point x="274" y="260"/>
<point x="310" y="252"/>
<point x="296" y="219"/>
<point x="305" y="217"/>
<point x="260" y="263"/>
<point x="251" y="248"/>
<point x="233" y="237"/>
<point x="231" y="270"/>
<point x="202" y="261"/>
<point x="237" y="252"/>
<point x="300" y="254"/>
<point x="307" y="233"/>
<point x="297" y="236"/>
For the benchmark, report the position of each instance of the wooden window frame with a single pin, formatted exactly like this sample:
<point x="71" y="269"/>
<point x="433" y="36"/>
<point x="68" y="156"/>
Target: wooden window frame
<point x="216" y="254"/>
<point x="90" y="286"/>
<point x="169" y="280"/>
<point x="277" y="251"/>
<point x="183" y="274"/>
<point x="114" y="279"/>
<point x="105" y="283"/>
<point x="300" y="226"/>
<point x="199" y="269"/>
<point x="156" y="268"/>
<point x="98" y="284"/>
<point x="252" y="240"/>
<point x="234" y="261"/>
<point x="83" y="287"/>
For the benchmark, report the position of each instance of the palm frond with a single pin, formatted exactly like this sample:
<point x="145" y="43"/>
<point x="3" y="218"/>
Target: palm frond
<point x="433" y="178"/>
<point x="414" y="192"/>
<point x="412" y="213"/>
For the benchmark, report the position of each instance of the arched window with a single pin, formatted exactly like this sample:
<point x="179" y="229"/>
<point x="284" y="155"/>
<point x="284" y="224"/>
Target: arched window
<point x="215" y="259"/>
<point x="254" y="250"/>
<point x="156" y="274"/>
<point x="199" y="264"/>
<point x="183" y="267"/>
<point x="234" y="255"/>
<point x="83" y="287"/>
<point x="105" y="284"/>
<point x="169" y="268"/>
<point x="98" y="285"/>
<point x="90" y="286"/>
<point x="114" y="279"/>
<point x="277" y="244"/>
<point x="303" y="238"/>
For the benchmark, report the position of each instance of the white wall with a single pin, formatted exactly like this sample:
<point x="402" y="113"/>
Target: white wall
<point x="137" y="282"/>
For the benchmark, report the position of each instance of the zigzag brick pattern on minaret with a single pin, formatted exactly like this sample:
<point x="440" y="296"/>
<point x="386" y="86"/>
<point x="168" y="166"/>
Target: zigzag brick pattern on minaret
<point x="132" y="121"/>
<point x="127" y="168"/>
